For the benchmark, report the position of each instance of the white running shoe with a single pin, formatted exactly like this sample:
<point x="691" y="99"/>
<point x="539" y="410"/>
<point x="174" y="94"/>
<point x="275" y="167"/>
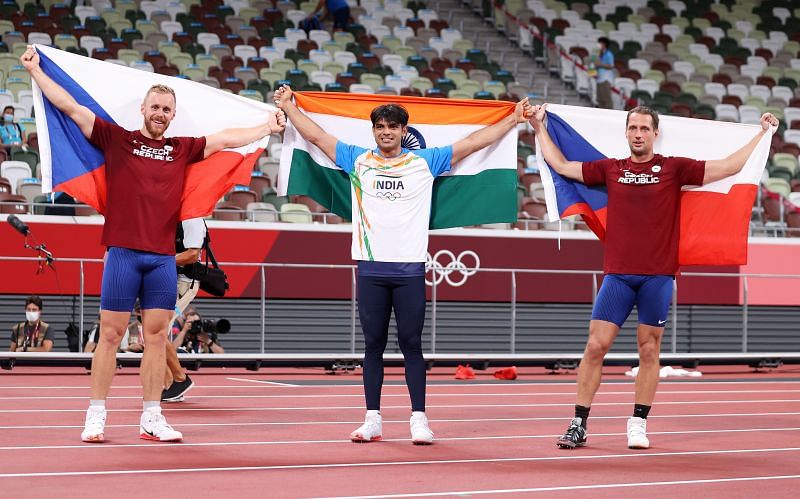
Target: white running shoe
<point x="153" y="426"/>
<point x="95" y="425"/>
<point x="371" y="430"/>
<point x="421" y="433"/>
<point x="637" y="433"/>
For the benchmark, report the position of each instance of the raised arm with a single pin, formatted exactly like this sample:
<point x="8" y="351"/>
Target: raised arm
<point x="491" y="134"/>
<point x="552" y="154"/>
<point x="717" y="169"/>
<point x="81" y="115"/>
<point x="305" y="125"/>
<point x="238" y="137"/>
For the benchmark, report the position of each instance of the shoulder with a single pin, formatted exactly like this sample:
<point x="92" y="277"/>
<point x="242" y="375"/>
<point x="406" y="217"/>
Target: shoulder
<point x="607" y="162"/>
<point x="676" y="160"/>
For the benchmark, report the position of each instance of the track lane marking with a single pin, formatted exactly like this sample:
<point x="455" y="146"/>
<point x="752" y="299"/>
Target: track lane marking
<point x="573" y="487"/>
<point x="348" y="442"/>
<point x="404" y="395"/>
<point x="574" y="457"/>
<point x="451" y="406"/>
<point x="405" y="422"/>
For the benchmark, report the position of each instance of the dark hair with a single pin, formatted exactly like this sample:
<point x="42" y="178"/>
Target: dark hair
<point x="643" y="110"/>
<point x="391" y="113"/>
<point x="35" y="300"/>
<point x="604" y="40"/>
<point x="13" y="109"/>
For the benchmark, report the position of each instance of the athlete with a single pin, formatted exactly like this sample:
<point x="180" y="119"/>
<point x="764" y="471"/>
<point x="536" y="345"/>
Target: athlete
<point x="641" y="254"/>
<point x="390" y="239"/>
<point x="144" y="173"/>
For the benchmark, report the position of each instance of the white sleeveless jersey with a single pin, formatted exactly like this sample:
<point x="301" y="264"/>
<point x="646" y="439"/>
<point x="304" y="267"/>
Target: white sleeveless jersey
<point x="391" y="200"/>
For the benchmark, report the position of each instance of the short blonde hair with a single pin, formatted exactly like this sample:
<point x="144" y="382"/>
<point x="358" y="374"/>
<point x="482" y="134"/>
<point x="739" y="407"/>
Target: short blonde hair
<point x="161" y="89"/>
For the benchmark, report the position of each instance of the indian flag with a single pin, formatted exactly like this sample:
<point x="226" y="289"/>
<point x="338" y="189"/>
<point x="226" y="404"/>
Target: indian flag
<point x="479" y="189"/>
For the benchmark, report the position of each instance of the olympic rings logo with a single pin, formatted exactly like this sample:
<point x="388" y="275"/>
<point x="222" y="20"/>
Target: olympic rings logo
<point x="391" y="196"/>
<point x="455" y="267"/>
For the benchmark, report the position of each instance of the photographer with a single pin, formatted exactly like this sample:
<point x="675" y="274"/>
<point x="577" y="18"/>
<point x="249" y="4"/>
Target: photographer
<point x="32" y="335"/>
<point x="200" y="336"/>
<point x="190" y="238"/>
<point x="133" y="341"/>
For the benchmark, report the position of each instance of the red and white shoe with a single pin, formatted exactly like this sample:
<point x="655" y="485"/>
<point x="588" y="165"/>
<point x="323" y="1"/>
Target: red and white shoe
<point x="95" y="425"/>
<point x="371" y="430"/>
<point x="153" y="426"/>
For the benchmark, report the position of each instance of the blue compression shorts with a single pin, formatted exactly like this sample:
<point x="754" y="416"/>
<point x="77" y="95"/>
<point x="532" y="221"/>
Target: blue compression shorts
<point x="651" y="294"/>
<point x="129" y="274"/>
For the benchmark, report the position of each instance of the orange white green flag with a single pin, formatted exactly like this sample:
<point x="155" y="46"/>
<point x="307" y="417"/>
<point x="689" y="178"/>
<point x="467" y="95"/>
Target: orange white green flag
<point x="480" y="189"/>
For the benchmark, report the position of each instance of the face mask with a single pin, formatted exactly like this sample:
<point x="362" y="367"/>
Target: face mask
<point x="8" y="117"/>
<point x="31" y="316"/>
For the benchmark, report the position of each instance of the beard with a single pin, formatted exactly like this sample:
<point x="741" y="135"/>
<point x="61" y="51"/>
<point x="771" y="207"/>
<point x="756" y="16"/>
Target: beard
<point x="153" y="129"/>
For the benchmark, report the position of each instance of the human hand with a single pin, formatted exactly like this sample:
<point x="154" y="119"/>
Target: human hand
<point x="768" y="120"/>
<point x="539" y="113"/>
<point x="523" y="111"/>
<point x="277" y="121"/>
<point x="283" y="96"/>
<point x="29" y="59"/>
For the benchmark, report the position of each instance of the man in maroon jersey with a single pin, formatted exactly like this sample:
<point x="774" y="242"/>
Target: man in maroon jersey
<point x="145" y="174"/>
<point x="641" y="254"/>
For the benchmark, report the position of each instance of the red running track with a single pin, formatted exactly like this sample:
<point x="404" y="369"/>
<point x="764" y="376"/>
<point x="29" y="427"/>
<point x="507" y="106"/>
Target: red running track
<point x="731" y="433"/>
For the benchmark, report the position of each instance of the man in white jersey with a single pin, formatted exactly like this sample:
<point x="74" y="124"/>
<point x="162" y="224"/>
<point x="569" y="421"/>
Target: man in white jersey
<point x="189" y="242"/>
<point x="391" y="193"/>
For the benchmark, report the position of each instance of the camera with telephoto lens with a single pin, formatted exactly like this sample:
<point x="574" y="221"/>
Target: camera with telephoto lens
<point x="222" y="326"/>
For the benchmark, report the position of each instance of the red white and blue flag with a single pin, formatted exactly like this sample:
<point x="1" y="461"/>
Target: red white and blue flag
<point x="715" y="218"/>
<point x="71" y="164"/>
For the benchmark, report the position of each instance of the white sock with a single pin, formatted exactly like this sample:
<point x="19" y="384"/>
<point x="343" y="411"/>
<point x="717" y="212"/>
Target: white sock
<point x="97" y="403"/>
<point x="151" y="405"/>
<point x="373" y="413"/>
<point x="414" y="413"/>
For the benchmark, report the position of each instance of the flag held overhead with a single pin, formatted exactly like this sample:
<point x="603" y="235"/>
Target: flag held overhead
<point x="70" y="163"/>
<point x="714" y="218"/>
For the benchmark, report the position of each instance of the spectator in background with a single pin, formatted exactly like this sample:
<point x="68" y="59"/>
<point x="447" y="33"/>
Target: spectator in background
<point x="338" y="10"/>
<point x="11" y="134"/>
<point x="605" y="73"/>
<point x="192" y="336"/>
<point x="134" y="336"/>
<point x="33" y="334"/>
<point x="92" y="336"/>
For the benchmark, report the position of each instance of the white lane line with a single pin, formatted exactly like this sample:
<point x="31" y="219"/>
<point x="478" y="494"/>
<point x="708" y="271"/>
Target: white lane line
<point x="574" y="487"/>
<point x="264" y="382"/>
<point x="570" y="457"/>
<point x="405" y="395"/>
<point x="405" y="421"/>
<point x="431" y="385"/>
<point x="347" y="441"/>
<point x="433" y="406"/>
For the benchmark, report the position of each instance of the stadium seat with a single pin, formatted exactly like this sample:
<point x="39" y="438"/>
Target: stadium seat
<point x="12" y="203"/>
<point x="295" y="213"/>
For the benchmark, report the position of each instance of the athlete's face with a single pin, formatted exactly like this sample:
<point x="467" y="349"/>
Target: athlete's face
<point x="158" y="110"/>
<point x="388" y="136"/>
<point x="641" y="134"/>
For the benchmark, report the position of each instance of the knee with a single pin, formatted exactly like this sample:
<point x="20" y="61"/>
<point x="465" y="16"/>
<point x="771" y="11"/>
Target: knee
<point x="155" y="339"/>
<point x="649" y="352"/>
<point x="410" y="344"/>
<point x="596" y="350"/>
<point x="374" y="343"/>
<point x="110" y="335"/>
